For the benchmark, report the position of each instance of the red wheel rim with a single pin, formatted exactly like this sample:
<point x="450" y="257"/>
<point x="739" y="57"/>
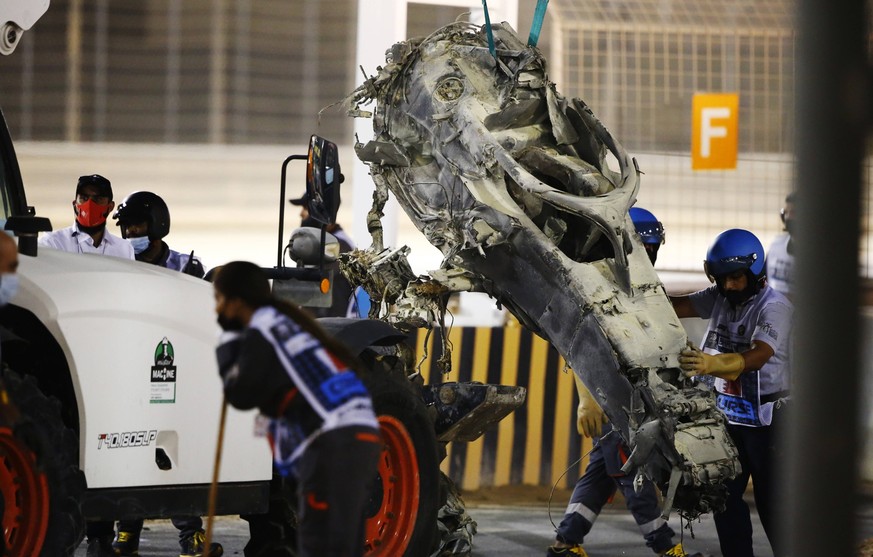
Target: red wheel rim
<point x="26" y="497"/>
<point x="388" y="530"/>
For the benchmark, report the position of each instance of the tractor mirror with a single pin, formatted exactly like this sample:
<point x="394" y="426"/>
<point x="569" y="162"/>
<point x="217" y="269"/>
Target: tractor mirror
<point x="323" y="179"/>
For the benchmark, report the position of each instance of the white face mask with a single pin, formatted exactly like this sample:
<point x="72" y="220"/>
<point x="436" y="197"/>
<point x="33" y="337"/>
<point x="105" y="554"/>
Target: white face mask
<point x="139" y="244"/>
<point x="8" y="287"/>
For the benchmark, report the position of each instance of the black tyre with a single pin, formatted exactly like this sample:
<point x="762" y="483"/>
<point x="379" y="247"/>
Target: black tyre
<point x="402" y="511"/>
<point x="39" y="474"/>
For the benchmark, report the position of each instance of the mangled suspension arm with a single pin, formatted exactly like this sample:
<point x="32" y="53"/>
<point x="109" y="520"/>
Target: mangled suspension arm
<point x="512" y="183"/>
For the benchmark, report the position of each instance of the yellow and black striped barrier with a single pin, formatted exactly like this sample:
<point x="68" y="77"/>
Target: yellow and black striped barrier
<point x="538" y="442"/>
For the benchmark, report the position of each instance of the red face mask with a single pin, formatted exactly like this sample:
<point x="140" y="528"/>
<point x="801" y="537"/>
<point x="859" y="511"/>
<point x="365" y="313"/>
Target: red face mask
<point x="91" y="214"/>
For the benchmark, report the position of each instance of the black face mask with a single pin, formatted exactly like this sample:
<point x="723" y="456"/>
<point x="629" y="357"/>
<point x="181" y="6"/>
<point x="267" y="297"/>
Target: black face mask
<point x="230" y="323"/>
<point x="789" y="226"/>
<point x="739" y="297"/>
<point x="652" y="251"/>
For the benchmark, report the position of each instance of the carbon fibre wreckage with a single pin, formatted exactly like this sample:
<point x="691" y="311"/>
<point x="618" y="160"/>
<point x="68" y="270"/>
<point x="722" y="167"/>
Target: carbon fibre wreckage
<point x="526" y="194"/>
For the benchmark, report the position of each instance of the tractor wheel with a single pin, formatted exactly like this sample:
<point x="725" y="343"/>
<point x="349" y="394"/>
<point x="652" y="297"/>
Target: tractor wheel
<point x="40" y="480"/>
<point x="402" y="511"/>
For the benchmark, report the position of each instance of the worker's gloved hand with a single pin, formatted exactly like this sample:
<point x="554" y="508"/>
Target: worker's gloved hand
<point x="194" y="268"/>
<point x="726" y="366"/>
<point x="589" y="416"/>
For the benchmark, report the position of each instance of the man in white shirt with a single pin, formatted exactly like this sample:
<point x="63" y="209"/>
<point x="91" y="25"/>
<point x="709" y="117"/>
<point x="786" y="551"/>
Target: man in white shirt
<point x="92" y="205"/>
<point x="780" y="256"/>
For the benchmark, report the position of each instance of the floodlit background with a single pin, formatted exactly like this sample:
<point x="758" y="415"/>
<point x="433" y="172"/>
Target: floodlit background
<point x="201" y="100"/>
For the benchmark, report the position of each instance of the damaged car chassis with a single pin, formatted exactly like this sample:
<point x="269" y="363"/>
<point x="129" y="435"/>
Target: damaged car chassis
<point x="526" y="194"/>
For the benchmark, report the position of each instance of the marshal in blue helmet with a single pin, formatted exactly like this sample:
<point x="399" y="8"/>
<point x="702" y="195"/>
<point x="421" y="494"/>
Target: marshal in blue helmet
<point x="649" y="229"/>
<point x="733" y="255"/>
<point x="745" y="356"/>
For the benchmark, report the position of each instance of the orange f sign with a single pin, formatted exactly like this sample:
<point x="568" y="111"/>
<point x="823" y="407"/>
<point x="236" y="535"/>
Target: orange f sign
<point x="714" y="131"/>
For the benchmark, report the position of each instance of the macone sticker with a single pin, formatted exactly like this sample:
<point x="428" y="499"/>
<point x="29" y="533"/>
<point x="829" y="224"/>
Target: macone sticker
<point x="163" y="374"/>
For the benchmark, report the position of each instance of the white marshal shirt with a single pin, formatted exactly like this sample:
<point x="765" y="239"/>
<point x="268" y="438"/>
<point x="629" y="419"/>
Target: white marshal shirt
<point x="766" y="317"/>
<point x="73" y="240"/>
<point x="780" y="265"/>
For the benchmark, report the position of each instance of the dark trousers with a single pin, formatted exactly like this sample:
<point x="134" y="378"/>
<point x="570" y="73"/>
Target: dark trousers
<point x="100" y="529"/>
<point x="187" y="525"/>
<point x="335" y="476"/>
<point x="274" y="532"/>
<point x="597" y="486"/>
<point x="757" y="453"/>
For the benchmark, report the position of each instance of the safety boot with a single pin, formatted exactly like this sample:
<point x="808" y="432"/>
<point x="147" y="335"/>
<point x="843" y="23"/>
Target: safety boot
<point x="679" y="551"/>
<point x="126" y="543"/>
<point x="572" y="551"/>
<point x="193" y="546"/>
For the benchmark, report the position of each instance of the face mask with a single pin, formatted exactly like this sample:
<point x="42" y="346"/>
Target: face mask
<point x="737" y="298"/>
<point x="8" y="287"/>
<point x="230" y="323"/>
<point x="90" y="214"/>
<point x="652" y="251"/>
<point x="139" y="244"/>
<point x="789" y="225"/>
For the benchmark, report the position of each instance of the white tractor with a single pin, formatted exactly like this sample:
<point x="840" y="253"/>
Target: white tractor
<point x="112" y="399"/>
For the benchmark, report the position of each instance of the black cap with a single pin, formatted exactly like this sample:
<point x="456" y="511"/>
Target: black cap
<point x="102" y="184"/>
<point x="302" y="200"/>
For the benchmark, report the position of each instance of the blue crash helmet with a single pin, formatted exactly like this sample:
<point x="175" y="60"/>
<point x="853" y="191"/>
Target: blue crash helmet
<point x="649" y="228"/>
<point x="733" y="250"/>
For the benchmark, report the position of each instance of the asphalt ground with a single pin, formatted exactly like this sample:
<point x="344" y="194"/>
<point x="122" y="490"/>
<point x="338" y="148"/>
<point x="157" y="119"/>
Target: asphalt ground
<point x="515" y="522"/>
<point x="517" y="530"/>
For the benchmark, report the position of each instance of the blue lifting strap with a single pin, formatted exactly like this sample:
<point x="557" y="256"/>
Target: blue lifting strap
<point x="488" y="29"/>
<point x="537" y="25"/>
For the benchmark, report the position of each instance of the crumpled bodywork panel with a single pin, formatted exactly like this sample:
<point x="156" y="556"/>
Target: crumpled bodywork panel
<point x="512" y="183"/>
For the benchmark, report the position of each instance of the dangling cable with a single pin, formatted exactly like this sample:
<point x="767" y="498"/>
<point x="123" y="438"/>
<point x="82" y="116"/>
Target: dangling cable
<point x="687" y="526"/>
<point x="574" y="463"/>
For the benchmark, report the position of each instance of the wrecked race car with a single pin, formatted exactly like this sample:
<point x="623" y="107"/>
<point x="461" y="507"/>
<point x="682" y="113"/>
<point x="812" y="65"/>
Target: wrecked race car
<point x="526" y="194"/>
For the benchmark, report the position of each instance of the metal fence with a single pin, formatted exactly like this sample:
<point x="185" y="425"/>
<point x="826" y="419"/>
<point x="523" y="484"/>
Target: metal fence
<point x="257" y="73"/>
<point x="638" y="63"/>
<point x="193" y="71"/>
